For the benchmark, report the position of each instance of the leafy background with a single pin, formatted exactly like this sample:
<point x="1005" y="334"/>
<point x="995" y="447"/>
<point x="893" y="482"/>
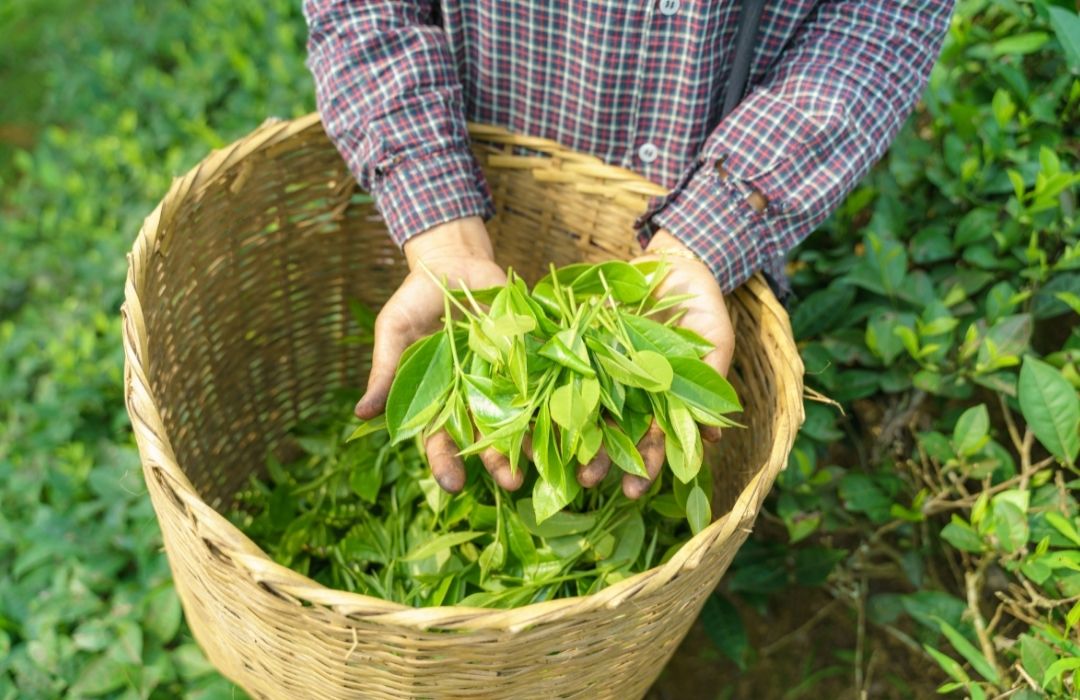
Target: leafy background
<point x="925" y="533"/>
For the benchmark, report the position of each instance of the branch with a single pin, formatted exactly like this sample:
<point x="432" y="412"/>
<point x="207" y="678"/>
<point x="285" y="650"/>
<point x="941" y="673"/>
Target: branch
<point x="973" y="583"/>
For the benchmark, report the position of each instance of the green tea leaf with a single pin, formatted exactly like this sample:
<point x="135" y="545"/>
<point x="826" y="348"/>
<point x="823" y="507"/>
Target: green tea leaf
<point x="1051" y="408"/>
<point x="491" y="403"/>
<point x="1036" y="656"/>
<point x="646" y="334"/>
<point x="440" y="544"/>
<point x="1066" y="26"/>
<point x="948" y="664"/>
<point x="589" y="445"/>
<point x="1058" y="668"/>
<point x="368" y="427"/>
<point x="961" y="535"/>
<point x="572" y="404"/>
<point x="701" y="386"/>
<point x="101" y="676"/>
<point x="629" y="539"/>
<point x="422" y="379"/>
<point x="521" y="542"/>
<point x="622" y="451"/>
<point x="725" y="628"/>
<point x="656" y="368"/>
<point x="548" y="499"/>
<point x="684" y="432"/>
<point x="558" y="525"/>
<point x="366" y="479"/>
<point x="458" y="424"/>
<point x="568" y="349"/>
<point x="626" y="282"/>
<point x="698" y="512"/>
<point x="1020" y="44"/>
<point x="493" y="557"/>
<point x="972" y="430"/>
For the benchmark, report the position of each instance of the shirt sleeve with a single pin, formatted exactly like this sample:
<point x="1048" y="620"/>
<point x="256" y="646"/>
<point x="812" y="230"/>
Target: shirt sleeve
<point x="806" y="134"/>
<point x="391" y="102"/>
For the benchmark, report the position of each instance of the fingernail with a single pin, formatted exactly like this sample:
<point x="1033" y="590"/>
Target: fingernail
<point x="451" y="482"/>
<point x="634" y="486"/>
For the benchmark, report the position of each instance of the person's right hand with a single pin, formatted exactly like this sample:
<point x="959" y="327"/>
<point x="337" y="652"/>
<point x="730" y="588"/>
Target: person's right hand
<point x="460" y="252"/>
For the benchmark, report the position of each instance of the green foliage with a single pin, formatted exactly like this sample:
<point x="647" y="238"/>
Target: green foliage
<point x="950" y="270"/>
<point x="366" y="515"/>
<point x="104" y="103"/>
<point x="939" y="308"/>
<point x="560" y="363"/>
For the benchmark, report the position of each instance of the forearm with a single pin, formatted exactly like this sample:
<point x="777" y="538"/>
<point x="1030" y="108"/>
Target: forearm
<point x="806" y="135"/>
<point x="391" y="103"/>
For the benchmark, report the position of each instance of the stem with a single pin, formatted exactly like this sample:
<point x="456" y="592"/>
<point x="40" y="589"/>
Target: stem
<point x="450" y="334"/>
<point x="973" y="585"/>
<point x="860" y="633"/>
<point x="448" y="294"/>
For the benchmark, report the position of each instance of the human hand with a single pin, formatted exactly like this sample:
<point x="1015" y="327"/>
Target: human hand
<point x="704" y="313"/>
<point x="459" y="251"/>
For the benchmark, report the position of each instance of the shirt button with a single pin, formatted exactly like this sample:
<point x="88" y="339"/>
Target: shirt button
<point x="648" y="152"/>
<point x="669" y="7"/>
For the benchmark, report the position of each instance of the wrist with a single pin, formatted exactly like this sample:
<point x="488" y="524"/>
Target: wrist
<point x="460" y="238"/>
<point x="664" y="244"/>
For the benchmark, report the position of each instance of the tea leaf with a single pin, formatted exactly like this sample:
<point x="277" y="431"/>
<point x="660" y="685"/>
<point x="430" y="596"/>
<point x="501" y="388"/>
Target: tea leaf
<point x="367" y="427"/>
<point x="682" y="431"/>
<point x="701" y="386"/>
<point x="572" y="404"/>
<point x="440" y="544"/>
<point x="422" y="379"/>
<point x="1051" y="408"/>
<point x="622" y="451"/>
<point x="567" y="349"/>
<point x="698" y="512"/>
<point x="646" y="334"/>
<point x="656" y="368"/>
<point x="558" y="525"/>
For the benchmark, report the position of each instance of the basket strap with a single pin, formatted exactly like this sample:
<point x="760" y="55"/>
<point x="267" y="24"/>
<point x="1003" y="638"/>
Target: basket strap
<point x="745" y="40"/>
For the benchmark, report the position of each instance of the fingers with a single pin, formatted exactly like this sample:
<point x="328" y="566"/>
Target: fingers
<point x="710" y="433"/>
<point x="498" y="465"/>
<point x="651" y="447"/>
<point x="591" y="474"/>
<point x="714" y="325"/>
<point x="393" y="333"/>
<point x="446" y="465"/>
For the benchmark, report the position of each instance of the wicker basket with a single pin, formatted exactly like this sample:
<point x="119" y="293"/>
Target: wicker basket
<point x="236" y="297"/>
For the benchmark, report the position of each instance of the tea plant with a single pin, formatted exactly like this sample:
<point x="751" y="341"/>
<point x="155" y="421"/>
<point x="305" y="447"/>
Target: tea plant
<point x="581" y="364"/>
<point x="365" y="515"/>
<point x="940" y="310"/>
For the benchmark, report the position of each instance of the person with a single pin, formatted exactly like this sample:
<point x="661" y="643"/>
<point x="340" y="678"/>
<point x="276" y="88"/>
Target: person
<point x="637" y="83"/>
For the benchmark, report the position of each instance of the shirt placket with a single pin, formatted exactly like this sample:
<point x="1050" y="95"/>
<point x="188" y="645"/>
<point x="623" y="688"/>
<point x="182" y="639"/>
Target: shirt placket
<point x="643" y="149"/>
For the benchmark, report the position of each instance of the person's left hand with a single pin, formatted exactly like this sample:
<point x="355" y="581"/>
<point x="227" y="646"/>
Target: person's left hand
<point x="705" y="314"/>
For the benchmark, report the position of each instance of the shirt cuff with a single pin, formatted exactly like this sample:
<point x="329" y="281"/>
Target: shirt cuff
<point x="415" y="193"/>
<point x="711" y="216"/>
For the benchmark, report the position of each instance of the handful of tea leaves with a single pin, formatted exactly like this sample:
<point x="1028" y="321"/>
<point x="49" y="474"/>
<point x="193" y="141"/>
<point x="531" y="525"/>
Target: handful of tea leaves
<point x="366" y="516"/>
<point x="580" y="361"/>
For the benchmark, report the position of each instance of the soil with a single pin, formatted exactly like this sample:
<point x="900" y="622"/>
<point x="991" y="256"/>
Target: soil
<point x="815" y="663"/>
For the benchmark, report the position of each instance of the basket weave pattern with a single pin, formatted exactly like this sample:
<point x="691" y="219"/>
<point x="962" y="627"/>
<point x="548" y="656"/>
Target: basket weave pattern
<point x="236" y="301"/>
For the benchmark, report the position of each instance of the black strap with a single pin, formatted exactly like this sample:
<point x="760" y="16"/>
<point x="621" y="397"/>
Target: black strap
<point x="745" y="39"/>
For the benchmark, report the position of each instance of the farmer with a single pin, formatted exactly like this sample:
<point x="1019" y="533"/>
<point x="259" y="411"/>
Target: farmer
<point x="637" y="83"/>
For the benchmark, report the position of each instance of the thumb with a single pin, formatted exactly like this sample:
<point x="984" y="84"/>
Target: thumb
<point x="390" y="343"/>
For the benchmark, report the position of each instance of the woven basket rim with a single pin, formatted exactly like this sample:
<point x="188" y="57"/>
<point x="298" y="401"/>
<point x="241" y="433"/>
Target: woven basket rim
<point x="160" y="462"/>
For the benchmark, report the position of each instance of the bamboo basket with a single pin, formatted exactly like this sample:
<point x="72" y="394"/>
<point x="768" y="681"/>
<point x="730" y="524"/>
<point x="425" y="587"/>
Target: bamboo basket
<point x="236" y="299"/>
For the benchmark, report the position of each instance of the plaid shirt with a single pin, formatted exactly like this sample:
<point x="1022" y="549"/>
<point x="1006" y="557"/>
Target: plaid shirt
<point x="637" y="83"/>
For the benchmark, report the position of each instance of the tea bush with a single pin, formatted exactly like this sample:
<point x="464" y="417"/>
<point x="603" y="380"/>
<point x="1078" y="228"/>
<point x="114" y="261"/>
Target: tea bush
<point x="938" y="308"/>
